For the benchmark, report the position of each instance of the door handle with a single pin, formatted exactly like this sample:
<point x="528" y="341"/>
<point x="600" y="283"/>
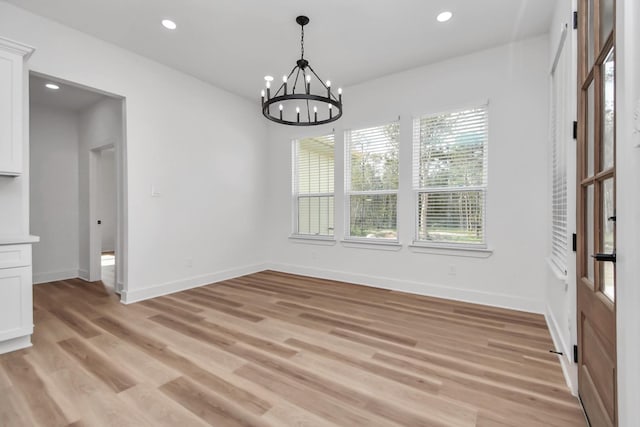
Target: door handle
<point x="605" y="257"/>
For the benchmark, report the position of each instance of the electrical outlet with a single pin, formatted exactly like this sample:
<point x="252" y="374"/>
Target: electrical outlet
<point x="452" y="270"/>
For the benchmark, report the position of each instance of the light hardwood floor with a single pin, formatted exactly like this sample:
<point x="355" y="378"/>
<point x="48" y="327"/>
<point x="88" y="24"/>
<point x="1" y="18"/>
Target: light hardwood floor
<point x="273" y="349"/>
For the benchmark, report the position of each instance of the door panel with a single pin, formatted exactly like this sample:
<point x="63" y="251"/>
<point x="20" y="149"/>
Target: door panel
<point x="596" y="212"/>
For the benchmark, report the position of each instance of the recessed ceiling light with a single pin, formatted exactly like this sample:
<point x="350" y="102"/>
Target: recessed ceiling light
<point x="268" y="78"/>
<point x="52" y="86"/>
<point x="444" y="16"/>
<point x="169" y="24"/>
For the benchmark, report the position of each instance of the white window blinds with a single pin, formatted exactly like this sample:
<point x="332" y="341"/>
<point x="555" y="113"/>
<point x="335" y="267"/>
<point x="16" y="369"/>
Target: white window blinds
<point x="372" y="182"/>
<point x="559" y="244"/>
<point x="450" y="176"/>
<point x="313" y="188"/>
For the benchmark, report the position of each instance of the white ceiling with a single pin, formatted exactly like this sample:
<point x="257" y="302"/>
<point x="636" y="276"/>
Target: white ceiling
<point x="234" y="43"/>
<point x="68" y="96"/>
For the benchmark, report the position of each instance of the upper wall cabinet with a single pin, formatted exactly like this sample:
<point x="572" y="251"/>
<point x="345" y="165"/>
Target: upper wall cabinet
<point x="13" y="95"/>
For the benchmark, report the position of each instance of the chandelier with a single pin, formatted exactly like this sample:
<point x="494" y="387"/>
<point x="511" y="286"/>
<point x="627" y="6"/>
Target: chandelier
<point x="294" y="103"/>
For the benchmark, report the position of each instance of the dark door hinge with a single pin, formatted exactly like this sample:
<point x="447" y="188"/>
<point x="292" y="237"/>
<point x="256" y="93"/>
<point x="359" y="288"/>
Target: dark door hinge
<point x="575" y="129"/>
<point x="575" y="20"/>
<point x="574" y="242"/>
<point x="575" y="354"/>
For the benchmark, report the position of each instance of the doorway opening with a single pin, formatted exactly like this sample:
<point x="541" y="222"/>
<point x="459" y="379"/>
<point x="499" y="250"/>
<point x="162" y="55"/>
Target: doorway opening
<point x="77" y="189"/>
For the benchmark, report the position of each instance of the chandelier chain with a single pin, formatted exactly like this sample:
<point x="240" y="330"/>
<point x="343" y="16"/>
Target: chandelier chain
<point x="302" y="41"/>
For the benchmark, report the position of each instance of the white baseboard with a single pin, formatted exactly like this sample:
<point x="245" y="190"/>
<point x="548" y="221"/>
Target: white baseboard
<point x="84" y="275"/>
<point x="15" y="344"/>
<point x="134" y="295"/>
<point x="53" y="276"/>
<point x="420" y="288"/>
<point x="569" y="369"/>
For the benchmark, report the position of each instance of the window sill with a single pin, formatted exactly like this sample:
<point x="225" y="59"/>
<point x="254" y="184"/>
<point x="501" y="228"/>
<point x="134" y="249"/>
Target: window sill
<point x="312" y="240"/>
<point x="368" y="244"/>
<point x="556" y="271"/>
<point x="461" y="251"/>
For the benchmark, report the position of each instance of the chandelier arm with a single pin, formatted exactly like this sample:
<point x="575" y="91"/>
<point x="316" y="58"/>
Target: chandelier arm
<point x="317" y="77"/>
<point x="308" y="111"/>
<point x="281" y="88"/>
<point x="295" y="83"/>
<point x="333" y="96"/>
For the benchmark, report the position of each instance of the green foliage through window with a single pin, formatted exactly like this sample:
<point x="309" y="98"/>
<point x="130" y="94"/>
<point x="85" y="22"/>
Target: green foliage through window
<point x="450" y="176"/>
<point x="314" y="185"/>
<point x="372" y="181"/>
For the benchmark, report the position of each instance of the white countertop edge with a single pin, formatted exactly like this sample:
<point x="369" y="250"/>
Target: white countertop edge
<point x="18" y="240"/>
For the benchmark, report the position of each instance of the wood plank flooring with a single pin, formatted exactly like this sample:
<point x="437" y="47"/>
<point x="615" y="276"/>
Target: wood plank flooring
<point x="274" y="349"/>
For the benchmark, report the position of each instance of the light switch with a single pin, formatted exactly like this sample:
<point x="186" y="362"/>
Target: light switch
<point x="636" y="122"/>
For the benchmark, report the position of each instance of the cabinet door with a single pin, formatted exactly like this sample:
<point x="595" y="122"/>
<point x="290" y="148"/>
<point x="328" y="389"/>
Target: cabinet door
<point x="16" y="318"/>
<point x="10" y="114"/>
<point x="12" y="104"/>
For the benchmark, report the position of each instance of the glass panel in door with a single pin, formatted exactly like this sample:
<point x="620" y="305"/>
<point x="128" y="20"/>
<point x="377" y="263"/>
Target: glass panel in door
<point x="608" y="111"/>
<point x="607" y="236"/>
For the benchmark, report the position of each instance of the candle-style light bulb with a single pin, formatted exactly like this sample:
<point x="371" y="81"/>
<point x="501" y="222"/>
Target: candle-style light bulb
<point x="328" y="88"/>
<point x="330" y="111"/>
<point x="298" y="110"/>
<point x="262" y="95"/>
<point x="284" y="80"/>
<point x="281" y="108"/>
<point x="268" y="85"/>
<point x="340" y="94"/>
<point x="298" y="114"/>
<point x="328" y="83"/>
<point x="315" y="113"/>
<point x="308" y="78"/>
<point x="308" y="84"/>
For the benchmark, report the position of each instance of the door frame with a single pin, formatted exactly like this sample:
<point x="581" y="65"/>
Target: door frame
<point x="95" y="234"/>
<point x="122" y="216"/>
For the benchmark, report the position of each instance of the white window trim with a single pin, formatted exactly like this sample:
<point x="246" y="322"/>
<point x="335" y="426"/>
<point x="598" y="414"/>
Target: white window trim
<point x="378" y="244"/>
<point x="295" y="196"/>
<point x="312" y="239"/>
<point x="361" y="242"/>
<point x="479" y="250"/>
<point x="460" y="250"/>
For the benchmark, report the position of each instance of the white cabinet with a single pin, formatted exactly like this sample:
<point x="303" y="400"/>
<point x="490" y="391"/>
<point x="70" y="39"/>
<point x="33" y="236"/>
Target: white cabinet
<point x="16" y="295"/>
<point x="13" y="104"/>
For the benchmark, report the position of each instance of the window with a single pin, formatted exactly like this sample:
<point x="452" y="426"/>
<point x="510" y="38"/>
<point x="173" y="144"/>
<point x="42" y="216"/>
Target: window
<point x="559" y="246"/>
<point x="372" y="182"/>
<point x="450" y="177"/>
<point x="313" y="163"/>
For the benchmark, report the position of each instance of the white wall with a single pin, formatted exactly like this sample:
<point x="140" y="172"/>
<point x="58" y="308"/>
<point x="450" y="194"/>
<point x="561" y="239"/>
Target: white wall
<point x="628" y="209"/>
<point x="514" y="78"/>
<point x="203" y="147"/>
<point x="560" y="294"/>
<point x="107" y="200"/>
<point x="54" y="192"/>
